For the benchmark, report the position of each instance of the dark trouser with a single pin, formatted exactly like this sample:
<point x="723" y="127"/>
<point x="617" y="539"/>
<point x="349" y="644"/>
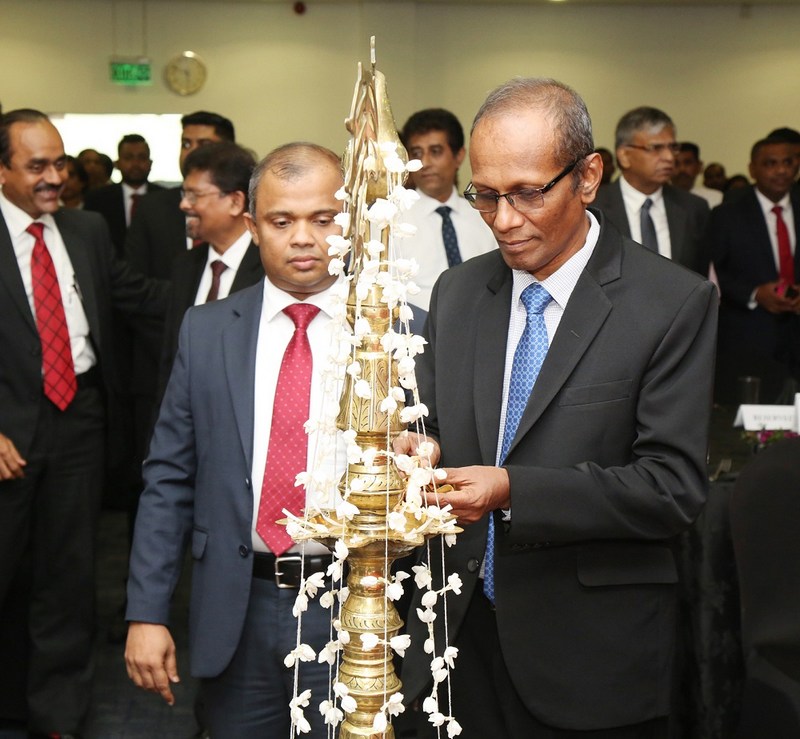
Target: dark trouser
<point x="251" y="697"/>
<point x="48" y="522"/>
<point x="489" y="706"/>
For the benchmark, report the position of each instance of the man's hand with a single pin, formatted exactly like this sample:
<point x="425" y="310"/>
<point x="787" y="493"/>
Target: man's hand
<point x="150" y="659"/>
<point x="408" y="443"/>
<point x="770" y="301"/>
<point x="477" y="490"/>
<point x="11" y="462"/>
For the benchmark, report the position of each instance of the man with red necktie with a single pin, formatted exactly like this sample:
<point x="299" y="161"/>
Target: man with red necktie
<point x="58" y="283"/>
<point x="754" y="243"/>
<point x="225" y="451"/>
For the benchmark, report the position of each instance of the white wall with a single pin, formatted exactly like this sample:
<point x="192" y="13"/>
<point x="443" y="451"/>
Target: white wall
<point x="727" y="78"/>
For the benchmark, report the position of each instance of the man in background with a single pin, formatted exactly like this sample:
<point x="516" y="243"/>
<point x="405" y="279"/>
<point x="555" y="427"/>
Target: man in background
<point x="688" y="167"/>
<point x="448" y="230"/>
<point x="117" y="203"/>
<point x="642" y="204"/>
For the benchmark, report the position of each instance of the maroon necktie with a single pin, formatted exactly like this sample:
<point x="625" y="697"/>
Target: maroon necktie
<point x="60" y="384"/>
<point x="785" y="260"/>
<point x="217" y="268"/>
<point x="288" y="444"/>
<point x="134" y="202"/>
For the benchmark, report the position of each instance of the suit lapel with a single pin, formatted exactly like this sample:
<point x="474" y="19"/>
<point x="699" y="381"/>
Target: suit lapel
<point x="11" y="278"/>
<point x="239" y="341"/>
<point x="677" y="222"/>
<point x="490" y="343"/>
<point x="585" y="314"/>
<point x="616" y="209"/>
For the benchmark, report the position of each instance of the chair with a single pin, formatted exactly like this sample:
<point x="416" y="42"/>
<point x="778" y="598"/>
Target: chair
<point x="765" y="526"/>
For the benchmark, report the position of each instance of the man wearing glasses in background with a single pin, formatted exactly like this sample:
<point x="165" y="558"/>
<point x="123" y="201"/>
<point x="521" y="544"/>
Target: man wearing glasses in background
<point x="571" y="421"/>
<point x="642" y="204"/>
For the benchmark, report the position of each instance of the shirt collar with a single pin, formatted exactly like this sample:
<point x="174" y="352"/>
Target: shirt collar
<point x="562" y="282"/>
<point x="431" y="204"/>
<point x="634" y="198"/>
<point x="233" y="255"/>
<point x="767" y="205"/>
<point x="275" y="299"/>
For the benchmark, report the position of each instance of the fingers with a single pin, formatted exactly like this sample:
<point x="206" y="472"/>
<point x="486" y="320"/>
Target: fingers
<point x="11" y="461"/>
<point x="150" y="659"/>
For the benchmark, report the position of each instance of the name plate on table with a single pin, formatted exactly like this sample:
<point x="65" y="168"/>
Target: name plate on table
<point x="766" y="417"/>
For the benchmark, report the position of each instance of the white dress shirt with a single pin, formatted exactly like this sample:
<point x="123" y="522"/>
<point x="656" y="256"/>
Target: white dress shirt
<point x="17" y="221"/>
<point x="633" y="200"/>
<point x="232" y="258"/>
<point x="427" y="246"/>
<point x="274" y="332"/>
<point x="127" y="198"/>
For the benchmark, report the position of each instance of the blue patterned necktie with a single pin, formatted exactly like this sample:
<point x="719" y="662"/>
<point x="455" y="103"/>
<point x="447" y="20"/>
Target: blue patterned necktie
<point x="449" y="236"/>
<point x="528" y="359"/>
<point x="649" y="238"/>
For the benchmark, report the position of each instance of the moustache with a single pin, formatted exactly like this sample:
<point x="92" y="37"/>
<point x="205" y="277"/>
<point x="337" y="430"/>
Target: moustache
<point x="47" y="189"/>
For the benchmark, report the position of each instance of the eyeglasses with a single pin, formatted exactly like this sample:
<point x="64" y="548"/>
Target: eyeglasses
<point x="674" y="148"/>
<point x="192" y="196"/>
<point x="524" y="200"/>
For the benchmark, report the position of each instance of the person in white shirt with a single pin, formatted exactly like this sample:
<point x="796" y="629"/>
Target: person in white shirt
<point x="444" y="238"/>
<point x="642" y="204"/>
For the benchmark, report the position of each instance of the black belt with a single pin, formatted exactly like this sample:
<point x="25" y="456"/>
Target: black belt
<point x="285" y="570"/>
<point x="90" y="378"/>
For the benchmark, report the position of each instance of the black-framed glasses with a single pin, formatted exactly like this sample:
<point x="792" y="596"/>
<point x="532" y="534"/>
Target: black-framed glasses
<point x="524" y="200"/>
<point x="673" y="148"/>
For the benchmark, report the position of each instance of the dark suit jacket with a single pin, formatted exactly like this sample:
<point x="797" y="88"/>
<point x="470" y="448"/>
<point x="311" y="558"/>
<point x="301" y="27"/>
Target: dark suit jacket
<point x="608" y="464"/>
<point x="110" y="203"/>
<point x="751" y="342"/>
<point x="197" y="482"/>
<point x="187" y="272"/>
<point x="104" y="282"/>
<point x="687" y="218"/>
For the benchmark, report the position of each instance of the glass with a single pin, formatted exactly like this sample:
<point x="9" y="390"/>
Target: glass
<point x="524" y="200"/>
<point x="749" y="388"/>
<point x="659" y="149"/>
<point x="192" y="196"/>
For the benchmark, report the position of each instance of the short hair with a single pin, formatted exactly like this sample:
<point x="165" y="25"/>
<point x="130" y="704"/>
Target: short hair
<point x="768" y="141"/>
<point x="131" y="138"/>
<point x="290" y="162"/>
<point x="694" y="149"/>
<point x="572" y="124"/>
<point x="229" y="166"/>
<point x="434" y="119"/>
<point x="221" y="125"/>
<point x="640" y="119"/>
<point x="785" y="135"/>
<point x="20" y="115"/>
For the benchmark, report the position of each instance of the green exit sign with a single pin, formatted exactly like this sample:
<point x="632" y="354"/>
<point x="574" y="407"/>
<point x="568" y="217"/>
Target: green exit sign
<point x="130" y="72"/>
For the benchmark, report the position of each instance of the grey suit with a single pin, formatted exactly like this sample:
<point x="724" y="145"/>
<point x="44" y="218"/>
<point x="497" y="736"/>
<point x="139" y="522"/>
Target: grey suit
<point x="607" y="465"/>
<point x="687" y="217"/>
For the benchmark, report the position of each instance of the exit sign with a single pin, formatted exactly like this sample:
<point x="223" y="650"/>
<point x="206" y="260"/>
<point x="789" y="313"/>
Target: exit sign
<point x="130" y="72"/>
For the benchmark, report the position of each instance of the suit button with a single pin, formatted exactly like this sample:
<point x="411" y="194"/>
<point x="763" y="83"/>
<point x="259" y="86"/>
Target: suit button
<point x="243" y="551"/>
<point x="473" y="565"/>
<point x="247" y="483"/>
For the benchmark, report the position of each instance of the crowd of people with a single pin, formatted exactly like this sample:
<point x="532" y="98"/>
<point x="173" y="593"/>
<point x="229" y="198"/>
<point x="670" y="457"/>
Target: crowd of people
<point x="166" y="344"/>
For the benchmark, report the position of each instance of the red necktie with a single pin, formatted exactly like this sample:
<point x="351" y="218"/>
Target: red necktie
<point x="288" y="444"/>
<point x="217" y="268"/>
<point x="60" y="384"/>
<point x="785" y="259"/>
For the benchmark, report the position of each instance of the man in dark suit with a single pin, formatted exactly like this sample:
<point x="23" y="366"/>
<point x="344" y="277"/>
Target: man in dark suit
<point x="215" y="200"/>
<point x="676" y="220"/>
<point x="118" y="202"/>
<point x="210" y="460"/>
<point x="58" y="282"/>
<point x="759" y="328"/>
<point x="587" y="476"/>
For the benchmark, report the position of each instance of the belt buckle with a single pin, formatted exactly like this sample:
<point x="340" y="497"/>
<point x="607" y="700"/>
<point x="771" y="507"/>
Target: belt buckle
<point x="278" y="574"/>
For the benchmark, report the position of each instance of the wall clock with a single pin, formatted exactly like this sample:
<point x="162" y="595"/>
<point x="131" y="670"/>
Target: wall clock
<point x="185" y="73"/>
